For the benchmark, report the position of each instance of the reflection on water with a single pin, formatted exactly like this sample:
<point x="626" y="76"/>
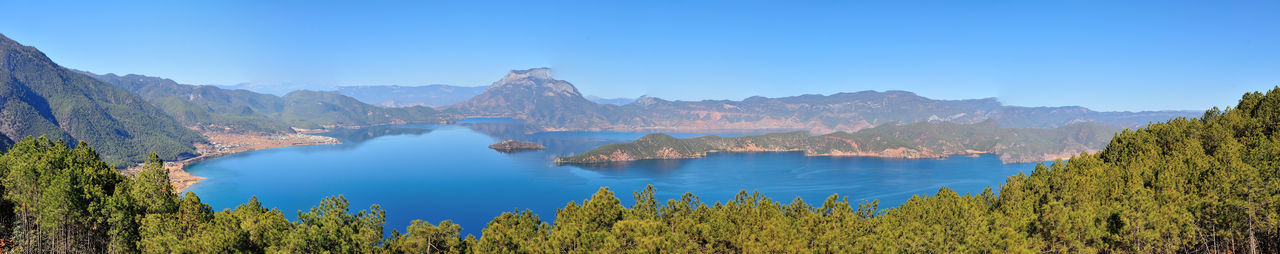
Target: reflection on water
<point x="438" y="172"/>
<point x="356" y="136"/>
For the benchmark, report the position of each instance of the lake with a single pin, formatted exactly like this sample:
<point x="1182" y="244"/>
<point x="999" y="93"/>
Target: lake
<point x="446" y="172"/>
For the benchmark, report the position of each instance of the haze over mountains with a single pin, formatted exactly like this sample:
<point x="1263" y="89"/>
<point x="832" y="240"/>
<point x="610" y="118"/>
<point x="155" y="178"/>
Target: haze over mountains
<point x="277" y="89"/>
<point x="395" y="96"/>
<point x="405" y="96"/>
<point x="614" y="101"/>
<point x="131" y="115"/>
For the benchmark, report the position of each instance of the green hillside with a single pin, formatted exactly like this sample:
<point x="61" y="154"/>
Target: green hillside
<point x="40" y="98"/>
<point x="204" y="106"/>
<point x="218" y="108"/>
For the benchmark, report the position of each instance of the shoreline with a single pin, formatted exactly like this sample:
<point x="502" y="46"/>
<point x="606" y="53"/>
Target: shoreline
<point x="224" y="143"/>
<point x="967" y="153"/>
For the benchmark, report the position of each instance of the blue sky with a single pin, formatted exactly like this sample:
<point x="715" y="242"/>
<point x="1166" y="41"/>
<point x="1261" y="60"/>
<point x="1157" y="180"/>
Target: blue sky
<point x="1106" y="55"/>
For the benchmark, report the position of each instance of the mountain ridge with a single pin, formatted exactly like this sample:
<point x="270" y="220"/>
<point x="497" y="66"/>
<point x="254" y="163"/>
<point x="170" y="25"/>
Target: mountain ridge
<point x="436" y="95"/>
<point x="534" y="95"/>
<point x="212" y="107"/>
<point x="38" y="97"/>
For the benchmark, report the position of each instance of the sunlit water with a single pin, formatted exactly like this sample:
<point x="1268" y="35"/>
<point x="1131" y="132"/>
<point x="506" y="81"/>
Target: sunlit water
<point x="446" y="172"/>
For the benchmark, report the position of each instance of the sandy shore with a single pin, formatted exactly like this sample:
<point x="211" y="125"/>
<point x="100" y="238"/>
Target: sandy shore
<point x="221" y="143"/>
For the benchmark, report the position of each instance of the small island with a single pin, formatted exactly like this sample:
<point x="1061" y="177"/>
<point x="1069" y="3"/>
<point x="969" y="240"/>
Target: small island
<point x="513" y="146"/>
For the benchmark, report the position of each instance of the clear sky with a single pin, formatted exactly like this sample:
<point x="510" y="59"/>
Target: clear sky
<point x="1106" y="55"/>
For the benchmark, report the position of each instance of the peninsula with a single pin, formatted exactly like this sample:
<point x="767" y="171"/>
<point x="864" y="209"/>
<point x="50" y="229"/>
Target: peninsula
<point x="911" y="141"/>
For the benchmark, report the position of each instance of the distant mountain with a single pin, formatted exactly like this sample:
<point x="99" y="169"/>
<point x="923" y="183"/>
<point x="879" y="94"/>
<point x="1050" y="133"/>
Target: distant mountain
<point x="553" y="104"/>
<point x="311" y="109"/>
<point x="404" y="96"/>
<point x="918" y="140"/>
<point x="536" y="97"/>
<point x="613" y="101"/>
<point x="40" y="98"/>
<point x="277" y="89"/>
<point x="210" y="107"/>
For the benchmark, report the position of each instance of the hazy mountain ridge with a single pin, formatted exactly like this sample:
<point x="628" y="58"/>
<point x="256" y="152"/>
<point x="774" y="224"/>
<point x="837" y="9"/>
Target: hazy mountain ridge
<point x="405" y="96"/>
<point x="277" y="89"/>
<point x="611" y="101"/>
<point x="40" y="98"/>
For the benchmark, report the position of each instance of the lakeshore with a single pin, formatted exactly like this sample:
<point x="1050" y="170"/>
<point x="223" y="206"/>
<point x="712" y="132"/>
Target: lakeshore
<point x="226" y="143"/>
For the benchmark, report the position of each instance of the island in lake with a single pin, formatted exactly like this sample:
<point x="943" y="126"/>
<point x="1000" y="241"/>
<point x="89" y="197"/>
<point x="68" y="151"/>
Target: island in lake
<point x="912" y="141"/>
<point x="513" y="146"/>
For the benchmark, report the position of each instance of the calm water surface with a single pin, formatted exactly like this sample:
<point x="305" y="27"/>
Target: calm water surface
<point x="446" y="172"/>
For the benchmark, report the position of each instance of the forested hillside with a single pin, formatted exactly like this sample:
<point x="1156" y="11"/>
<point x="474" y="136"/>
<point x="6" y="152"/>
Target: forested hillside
<point x="217" y="108"/>
<point x="1187" y="185"/>
<point x="40" y="98"/>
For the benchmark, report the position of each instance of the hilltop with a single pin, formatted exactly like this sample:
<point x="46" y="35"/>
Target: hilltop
<point x="536" y="97"/>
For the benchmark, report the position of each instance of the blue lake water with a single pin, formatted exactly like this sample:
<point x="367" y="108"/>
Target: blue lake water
<point x="446" y="172"/>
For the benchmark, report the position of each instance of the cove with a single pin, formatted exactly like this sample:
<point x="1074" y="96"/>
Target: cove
<point x="446" y="172"/>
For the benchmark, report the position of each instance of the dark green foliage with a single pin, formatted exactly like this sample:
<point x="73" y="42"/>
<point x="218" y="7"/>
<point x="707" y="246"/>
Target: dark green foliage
<point x="57" y="196"/>
<point x="40" y="98"/>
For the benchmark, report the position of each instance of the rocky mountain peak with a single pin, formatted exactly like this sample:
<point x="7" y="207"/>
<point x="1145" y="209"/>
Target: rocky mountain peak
<point x="538" y="80"/>
<point x="646" y="101"/>
<point x="535" y="74"/>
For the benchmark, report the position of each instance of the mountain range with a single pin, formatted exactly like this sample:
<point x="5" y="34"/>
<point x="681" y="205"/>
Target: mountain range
<point x="914" y="141"/>
<point x="405" y="96"/>
<point x="214" y="108"/>
<point x="536" y="97"/>
<point x="396" y="96"/>
<point x="126" y="116"/>
<point x="613" y="101"/>
<point x="277" y="89"/>
<point x="40" y="98"/>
